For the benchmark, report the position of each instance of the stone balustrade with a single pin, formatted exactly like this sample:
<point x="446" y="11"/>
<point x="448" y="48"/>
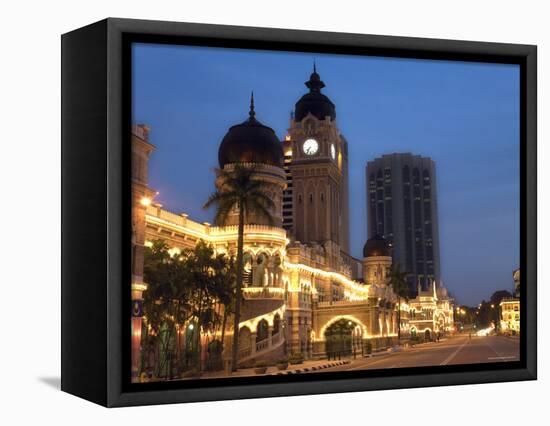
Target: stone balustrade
<point x="208" y="232"/>
<point x="261" y="346"/>
<point x="342" y="303"/>
<point x="263" y="293"/>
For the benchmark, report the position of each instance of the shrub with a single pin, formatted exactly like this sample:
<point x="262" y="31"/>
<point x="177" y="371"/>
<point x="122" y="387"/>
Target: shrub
<point x="260" y="367"/>
<point x="282" y="364"/>
<point x="296" y="358"/>
<point x="191" y="373"/>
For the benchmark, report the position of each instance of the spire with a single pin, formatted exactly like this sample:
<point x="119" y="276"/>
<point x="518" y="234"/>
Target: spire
<point x="314" y="84"/>
<point x="252" y="113"/>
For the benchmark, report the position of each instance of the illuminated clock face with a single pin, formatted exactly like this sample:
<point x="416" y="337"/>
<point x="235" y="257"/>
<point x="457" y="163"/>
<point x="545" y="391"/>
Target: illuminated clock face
<point x="311" y="147"/>
<point x="333" y="151"/>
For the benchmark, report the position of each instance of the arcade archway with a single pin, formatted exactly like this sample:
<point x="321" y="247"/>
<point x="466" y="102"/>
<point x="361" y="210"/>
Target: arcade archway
<point x="343" y="338"/>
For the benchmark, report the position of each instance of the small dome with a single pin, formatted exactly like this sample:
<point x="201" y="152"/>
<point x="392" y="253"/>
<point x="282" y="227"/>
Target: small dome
<point x="250" y="142"/>
<point x="314" y="102"/>
<point x="376" y="246"/>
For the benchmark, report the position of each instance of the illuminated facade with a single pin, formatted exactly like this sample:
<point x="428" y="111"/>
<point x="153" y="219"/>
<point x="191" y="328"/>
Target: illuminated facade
<point x="301" y="291"/>
<point x="510" y="309"/>
<point x="431" y="311"/>
<point x="141" y="199"/>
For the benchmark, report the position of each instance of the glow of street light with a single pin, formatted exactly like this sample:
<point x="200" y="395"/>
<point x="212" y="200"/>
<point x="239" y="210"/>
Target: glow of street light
<point x="145" y="201"/>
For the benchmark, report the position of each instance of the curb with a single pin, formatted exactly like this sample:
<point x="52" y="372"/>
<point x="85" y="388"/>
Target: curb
<point x="306" y="369"/>
<point x="373" y="355"/>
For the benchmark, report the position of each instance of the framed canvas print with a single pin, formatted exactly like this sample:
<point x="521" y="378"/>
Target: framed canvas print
<point x="253" y="212"/>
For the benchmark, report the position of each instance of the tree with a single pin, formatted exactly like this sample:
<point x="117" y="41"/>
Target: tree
<point x="166" y="301"/>
<point x="213" y="282"/>
<point x="484" y="315"/>
<point x="240" y="190"/>
<point x="498" y="295"/>
<point x="190" y="285"/>
<point x="224" y="287"/>
<point x="400" y="287"/>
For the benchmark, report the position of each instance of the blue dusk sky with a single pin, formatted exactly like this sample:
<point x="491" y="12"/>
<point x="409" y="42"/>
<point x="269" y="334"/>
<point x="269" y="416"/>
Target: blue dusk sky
<point x="465" y="116"/>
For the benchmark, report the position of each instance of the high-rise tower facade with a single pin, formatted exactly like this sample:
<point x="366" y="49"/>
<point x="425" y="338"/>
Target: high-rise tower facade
<point x="316" y="158"/>
<point x="402" y="207"/>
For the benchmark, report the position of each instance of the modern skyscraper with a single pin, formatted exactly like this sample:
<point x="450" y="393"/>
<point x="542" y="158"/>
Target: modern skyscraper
<point x="402" y="207"/>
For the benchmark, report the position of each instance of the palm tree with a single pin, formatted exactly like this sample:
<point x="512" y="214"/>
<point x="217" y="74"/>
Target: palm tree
<point x="239" y="190"/>
<point x="400" y="287"/>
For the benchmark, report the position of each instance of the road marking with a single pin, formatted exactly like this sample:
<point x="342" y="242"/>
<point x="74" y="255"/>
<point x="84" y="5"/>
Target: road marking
<point x="502" y="357"/>
<point x="499" y="355"/>
<point x="368" y="364"/>
<point x="450" y="357"/>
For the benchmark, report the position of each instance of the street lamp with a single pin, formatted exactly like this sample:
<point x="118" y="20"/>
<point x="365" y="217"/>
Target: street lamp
<point x="146" y="201"/>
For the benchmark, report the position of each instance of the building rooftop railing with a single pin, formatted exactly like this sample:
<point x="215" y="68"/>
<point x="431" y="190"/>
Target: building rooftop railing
<point x="206" y="229"/>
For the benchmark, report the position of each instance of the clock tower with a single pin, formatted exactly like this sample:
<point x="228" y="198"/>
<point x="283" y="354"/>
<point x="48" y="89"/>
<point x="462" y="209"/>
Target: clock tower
<point x="318" y="171"/>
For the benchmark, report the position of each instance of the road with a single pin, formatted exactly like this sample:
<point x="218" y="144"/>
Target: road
<point x="454" y="350"/>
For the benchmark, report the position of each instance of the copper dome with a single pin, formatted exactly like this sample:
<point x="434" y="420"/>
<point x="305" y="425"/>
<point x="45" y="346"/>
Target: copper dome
<point x="250" y="142"/>
<point x="376" y="246"/>
<point x="314" y="102"/>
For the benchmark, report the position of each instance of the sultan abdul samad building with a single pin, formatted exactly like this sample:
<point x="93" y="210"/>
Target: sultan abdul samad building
<point x="303" y="291"/>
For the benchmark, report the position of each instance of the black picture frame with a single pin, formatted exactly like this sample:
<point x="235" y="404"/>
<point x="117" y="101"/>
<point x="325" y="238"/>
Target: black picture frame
<point x="96" y="210"/>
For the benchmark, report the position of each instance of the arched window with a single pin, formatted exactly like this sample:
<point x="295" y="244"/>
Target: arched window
<point x="262" y="331"/>
<point x="387" y="175"/>
<point x="372" y="203"/>
<point x="416" y="176"/>
<point x="247" y="272"/>
<point x="406" y="174"/>
<point x="276" y="324"/>
<point x="261" y="270"/>
<point x="379" y="178"/>
<point x="426" y="176"/>
<point x="244" y="338"/>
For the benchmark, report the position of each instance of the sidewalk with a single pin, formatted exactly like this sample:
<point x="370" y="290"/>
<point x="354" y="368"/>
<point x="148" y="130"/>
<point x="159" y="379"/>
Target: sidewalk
<point x="306" y="366"/>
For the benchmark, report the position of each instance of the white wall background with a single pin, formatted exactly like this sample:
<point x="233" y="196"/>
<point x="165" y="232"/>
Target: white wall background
<point x="30" y="209"/>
